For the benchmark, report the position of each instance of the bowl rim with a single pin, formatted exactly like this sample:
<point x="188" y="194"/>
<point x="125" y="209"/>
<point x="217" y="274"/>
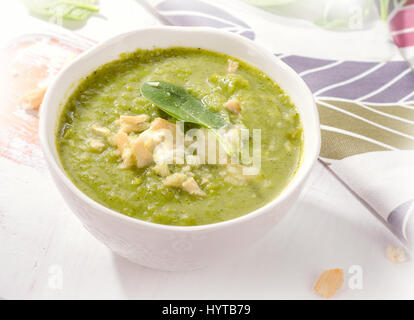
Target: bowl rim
<point x="296" y="181"/>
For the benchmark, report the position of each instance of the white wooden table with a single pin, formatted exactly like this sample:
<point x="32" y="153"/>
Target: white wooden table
<point x="46" y="253"/>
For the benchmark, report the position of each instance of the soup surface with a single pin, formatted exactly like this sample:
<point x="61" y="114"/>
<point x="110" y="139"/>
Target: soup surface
<point x="110" y="145"/>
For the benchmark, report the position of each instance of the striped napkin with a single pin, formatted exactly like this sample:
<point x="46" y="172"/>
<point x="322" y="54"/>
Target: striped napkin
<point x="401" y="24"/>
<point x="366" y="110"/>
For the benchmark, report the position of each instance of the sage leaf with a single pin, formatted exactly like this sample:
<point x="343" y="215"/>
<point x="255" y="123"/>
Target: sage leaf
<point x="182" y="105"/>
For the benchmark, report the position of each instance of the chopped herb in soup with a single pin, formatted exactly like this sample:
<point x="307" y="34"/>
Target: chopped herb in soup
<point x="126" y="137"/>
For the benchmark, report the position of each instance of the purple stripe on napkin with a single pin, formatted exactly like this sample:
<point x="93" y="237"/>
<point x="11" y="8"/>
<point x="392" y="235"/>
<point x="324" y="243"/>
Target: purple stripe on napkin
<point x="201" y="14"/>
<point x="199" y="6"/>
<point x="331" y="76"/>
<point x="301" y="64"/>
<point x="369" y="83"/>
<point x="396" y="91"/>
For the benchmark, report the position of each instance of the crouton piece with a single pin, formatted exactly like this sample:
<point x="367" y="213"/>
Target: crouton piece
<point x="144" y="146"/>
<point x="233" y="105"/>
<point x="160" y="123"/>
<point x="329" y="282"/>
<point x="152" y="138"/>
<point x="175" y="180"/>
<point x="96" y="145"/>
<point x="133" y="151"/>
<point x="143" y="156"/>
<point x="128" y="159"/>
<point x="164" y="152"/>
<point x="133" y="119"/>
<point x="134" y="123"/>
<point x="101" y="131"/>
<point x="161" y="169"/>
<point x="191" y="186"/>
<point x="396" y="254"/>
<point x="122" y="141"/>
<point x="33" y="99"/>
<point x="232" y="66"/>
<point x="141" y="148"/>
<point x="127" y="128"/>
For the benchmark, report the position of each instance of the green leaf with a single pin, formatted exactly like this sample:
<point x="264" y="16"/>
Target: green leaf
<point x="77" y="10"/>
<point x="182" y="105"/>
<point x="384" y="4"/>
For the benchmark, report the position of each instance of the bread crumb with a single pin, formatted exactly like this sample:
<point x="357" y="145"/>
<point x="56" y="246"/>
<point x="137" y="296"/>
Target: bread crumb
<point x="175" y="180"/>
<point x="121" y="140"/>
<point x="160" y="123"/>
<point x="123" y="119"/>
<point x="161" y="169"/>
<point x="396" y="254"/>
<point x="97" y="145"/>
<point x="143" y="156"/>
<point x="188" y="184"/>
<point x="232" y="66"/>
<point x="101" y="131"/>
<point x="191" y="186"/>
<point x="127" y="158"/>
<point x="233" y="105"/>
<point x="134" y="123"/>
<point x="33" y="99"/>
<point x="329" y="282"/>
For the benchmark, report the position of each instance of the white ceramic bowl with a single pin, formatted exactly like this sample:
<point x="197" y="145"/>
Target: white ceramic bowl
<point x="173" y="247"/>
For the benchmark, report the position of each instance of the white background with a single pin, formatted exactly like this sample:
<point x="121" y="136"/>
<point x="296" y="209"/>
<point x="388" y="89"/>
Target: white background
<point x="41" y="240"/>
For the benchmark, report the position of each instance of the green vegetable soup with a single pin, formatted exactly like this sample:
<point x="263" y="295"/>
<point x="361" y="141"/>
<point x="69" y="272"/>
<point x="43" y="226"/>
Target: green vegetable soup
<point x="113" y="136"/>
